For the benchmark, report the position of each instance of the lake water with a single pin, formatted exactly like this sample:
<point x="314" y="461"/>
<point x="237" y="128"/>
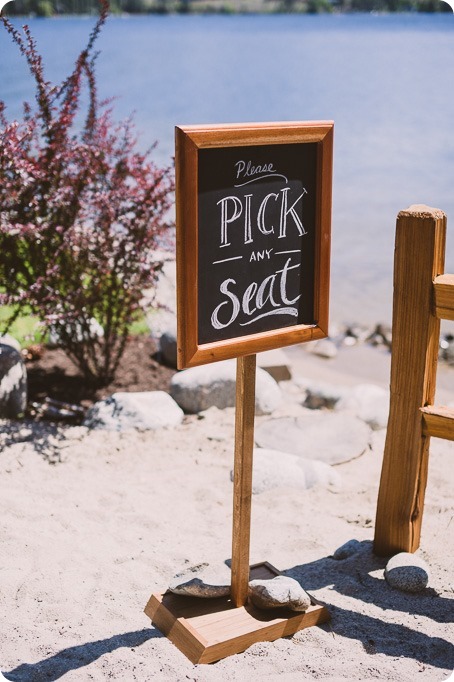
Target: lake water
<point x="386" y="81"/>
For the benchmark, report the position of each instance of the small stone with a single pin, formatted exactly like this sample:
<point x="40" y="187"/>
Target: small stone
<point x="279" y="592"/>
<point x="347" y="550"/>
<point x="202" y="581"/>
<point x="407" y="572"/>
<point x="325" y="348"/>
<point x="369" y="402"/>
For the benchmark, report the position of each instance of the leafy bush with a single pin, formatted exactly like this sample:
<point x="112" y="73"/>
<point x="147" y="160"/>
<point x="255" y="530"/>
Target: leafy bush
<point x="82" y="213"/>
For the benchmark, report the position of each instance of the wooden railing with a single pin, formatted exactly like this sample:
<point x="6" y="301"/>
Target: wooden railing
<point x="422" y="296"/>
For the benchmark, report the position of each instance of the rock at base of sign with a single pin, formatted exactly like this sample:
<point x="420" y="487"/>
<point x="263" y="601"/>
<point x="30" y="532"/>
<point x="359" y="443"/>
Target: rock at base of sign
<point x="274" y="469"/>
<point x="214" y="385"/>
<point x="13" y="383"/>
<point x="144" y="410"/>
<point x="279" y="592"/>
<point x="347" y="550"/>
<point x="369" y="402"/>
<point x="332" y="438"/>
<point x="407" y="572"/>
<point x="202" y="581"/>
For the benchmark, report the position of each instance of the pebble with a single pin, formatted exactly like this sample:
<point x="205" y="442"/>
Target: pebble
<point x="347" y="550"/>
<point x="407" y="572"/>
<point x="279" y="592"/>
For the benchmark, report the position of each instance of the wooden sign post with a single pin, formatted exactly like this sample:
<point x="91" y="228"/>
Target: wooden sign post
<point x="253" y="245"/>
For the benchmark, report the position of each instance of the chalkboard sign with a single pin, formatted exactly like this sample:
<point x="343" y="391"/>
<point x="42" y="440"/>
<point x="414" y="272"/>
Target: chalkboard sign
<point x="253" y="234"/>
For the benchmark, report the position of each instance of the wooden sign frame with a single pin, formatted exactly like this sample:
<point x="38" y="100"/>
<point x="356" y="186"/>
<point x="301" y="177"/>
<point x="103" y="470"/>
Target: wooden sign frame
<point x="189" y="141"/>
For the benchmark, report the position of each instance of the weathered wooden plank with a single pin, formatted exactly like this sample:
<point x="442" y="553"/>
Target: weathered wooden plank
<point x="438" y="421"/>
<point x="418" y="259"/>
<point x="444" y="296"/>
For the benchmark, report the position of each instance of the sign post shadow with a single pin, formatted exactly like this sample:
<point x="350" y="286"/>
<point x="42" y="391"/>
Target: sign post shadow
<point x="253" y="247"/>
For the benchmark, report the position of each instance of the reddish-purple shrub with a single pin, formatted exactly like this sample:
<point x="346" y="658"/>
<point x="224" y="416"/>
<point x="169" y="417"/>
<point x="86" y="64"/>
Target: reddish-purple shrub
<point x="82" y="213"/>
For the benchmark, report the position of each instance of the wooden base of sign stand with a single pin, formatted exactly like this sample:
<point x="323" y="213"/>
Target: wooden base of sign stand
<point x="206" y="630"/>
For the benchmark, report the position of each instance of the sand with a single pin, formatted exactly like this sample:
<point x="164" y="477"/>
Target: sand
<point x="94" y="522"/>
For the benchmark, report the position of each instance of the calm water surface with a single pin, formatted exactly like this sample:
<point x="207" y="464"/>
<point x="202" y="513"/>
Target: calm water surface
<point x="385" y="80"/>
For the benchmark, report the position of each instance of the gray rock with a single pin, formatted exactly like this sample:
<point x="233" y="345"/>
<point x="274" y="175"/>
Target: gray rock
<point x="323" y="395"/>
<point x="325" y="348"/>
<point x="168" y="347"/>
<point x="369" y="402"/>
<point x="279" y="592"/>
<point x="347" y="550"/>
<point x="202" y="581"/>
<point x="274" y="469"/>
<point x="13" y="383"/>
<point x="407" y="572"/>
<point x="275" y="363"/>
<point x="330" y="437"/>
<point x="141" y="410"/>
<point x="214" y="385"/>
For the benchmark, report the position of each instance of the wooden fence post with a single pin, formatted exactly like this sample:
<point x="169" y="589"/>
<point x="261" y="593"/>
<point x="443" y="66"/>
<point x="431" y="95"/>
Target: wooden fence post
<point x="418" y="259"/>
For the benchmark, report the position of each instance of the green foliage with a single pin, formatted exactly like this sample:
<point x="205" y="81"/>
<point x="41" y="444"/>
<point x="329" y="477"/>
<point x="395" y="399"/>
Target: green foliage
<point x="82" y="215"/>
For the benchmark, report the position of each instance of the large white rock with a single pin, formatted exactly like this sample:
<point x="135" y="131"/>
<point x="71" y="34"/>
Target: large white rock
<point x="143" y="410"/>
<point x="369" y="402"/>
<point x="274" y="469"/>
<point x="9" y="340"/>
<point x="13" y="383"/>
<point x="214" y="385"/>
<point x="330" y="437"/>
<point x="279" y="592"/>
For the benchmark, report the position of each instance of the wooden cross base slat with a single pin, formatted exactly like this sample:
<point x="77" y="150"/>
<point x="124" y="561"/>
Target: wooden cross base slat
<point x="206" y="630"/>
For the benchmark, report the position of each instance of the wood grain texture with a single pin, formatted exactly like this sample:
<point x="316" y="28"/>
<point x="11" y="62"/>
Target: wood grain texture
<point x="188" y="141"/>
<point x="242" y="476"/>
<point x="438" y="421"/>
<point x="444" y="296"/>
<point x="418" y="259"/>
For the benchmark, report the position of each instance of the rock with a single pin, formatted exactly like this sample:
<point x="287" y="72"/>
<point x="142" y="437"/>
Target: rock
<point x="168" y="347"/>
<point x="407" y="572"/>
<point x="202" y="581"/>
<point x="275" y="363"/>
<point x="319" y="395"/>
<point x="13" y="383"/>
<point x="347" y="550"/>
<point x="8" y="340"/>
<point x="279" y="592"/>
<point x="380" y="336"/>
<point x="274" y="469"/>
<point x="330" y="437"/>
<point x="199" y="388"/>
<point x="140" y="410"/>
<point x="325" y="348"/>
<point x="369" y="402"/>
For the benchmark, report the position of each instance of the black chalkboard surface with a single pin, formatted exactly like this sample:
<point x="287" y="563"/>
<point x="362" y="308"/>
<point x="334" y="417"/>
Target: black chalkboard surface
<point x="256" y="239"/>
<point x="253" y="234"/>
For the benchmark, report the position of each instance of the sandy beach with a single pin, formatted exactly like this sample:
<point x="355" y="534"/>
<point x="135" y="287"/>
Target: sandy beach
<point x="93" y="522"/>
